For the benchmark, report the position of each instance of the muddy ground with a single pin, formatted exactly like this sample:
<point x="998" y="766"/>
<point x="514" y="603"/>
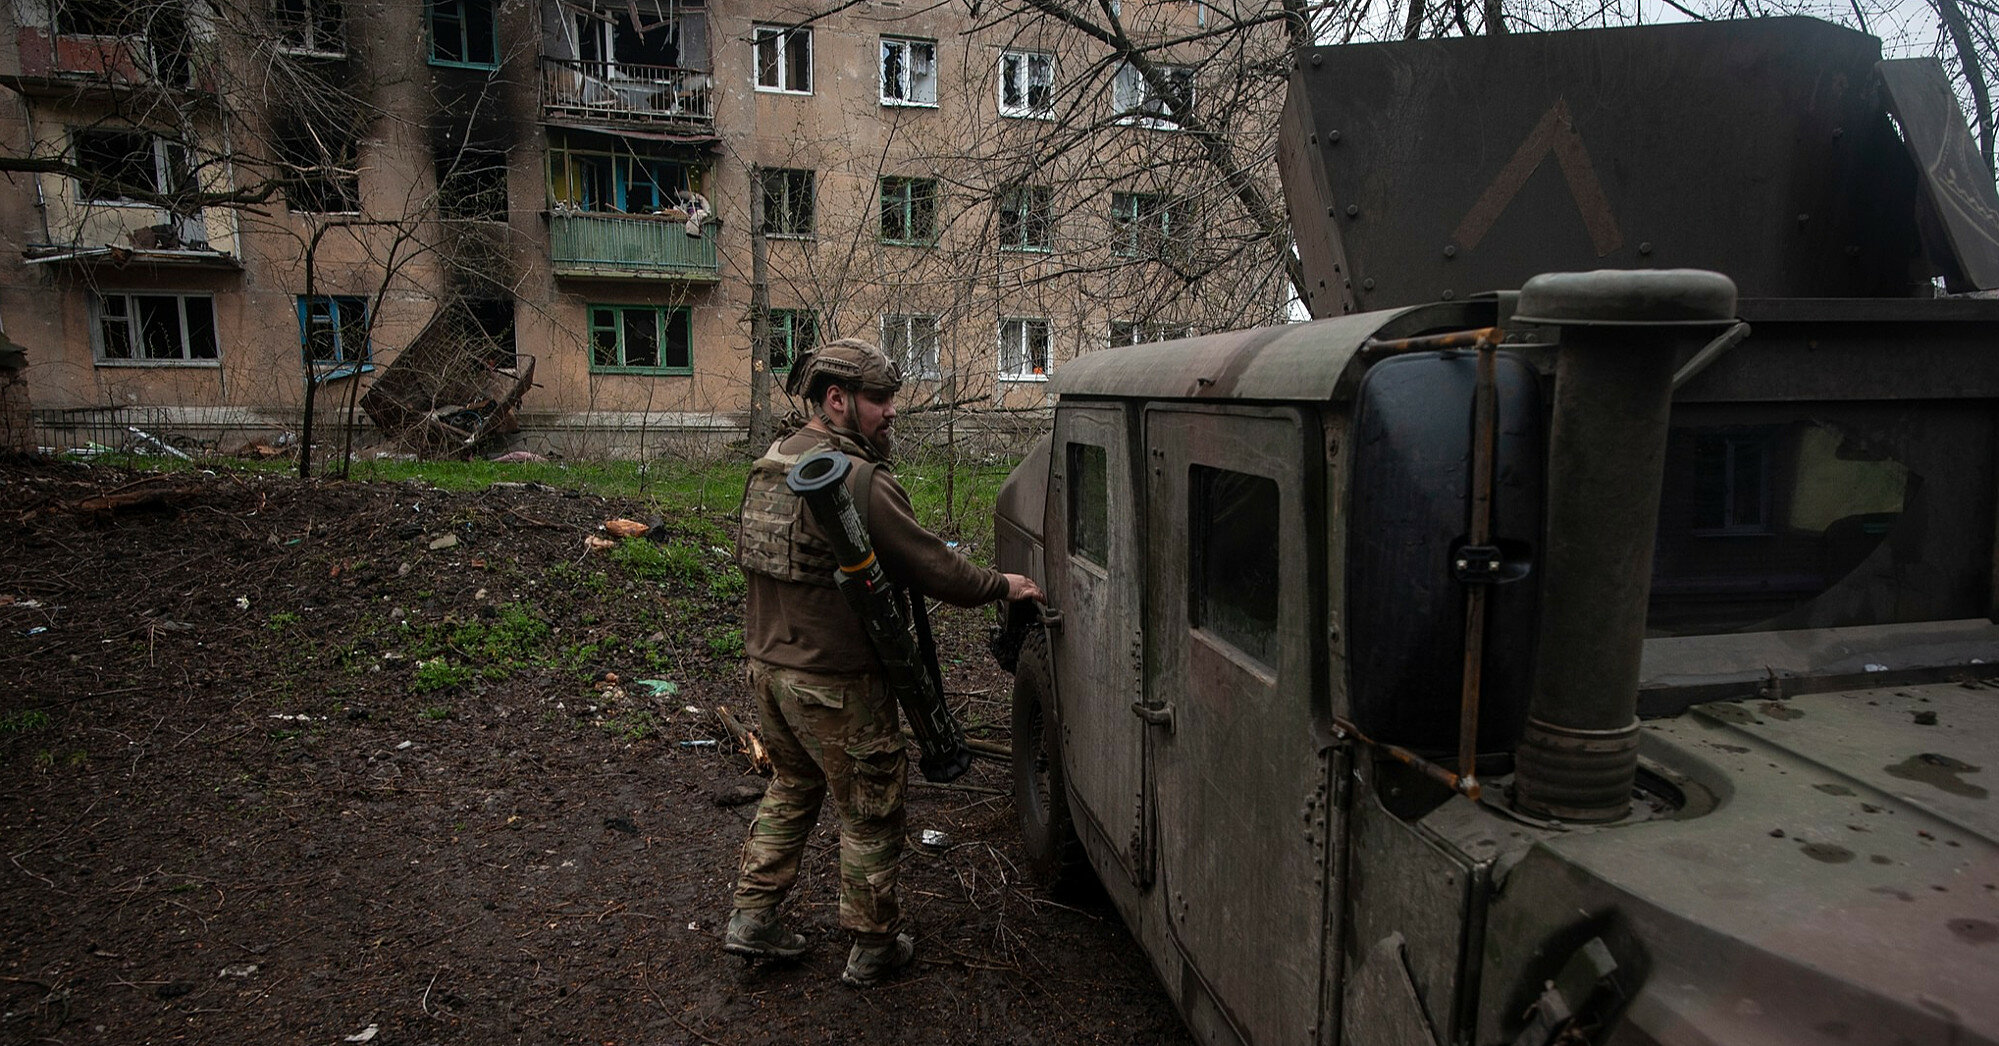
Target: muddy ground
<point x="324" y="763"/>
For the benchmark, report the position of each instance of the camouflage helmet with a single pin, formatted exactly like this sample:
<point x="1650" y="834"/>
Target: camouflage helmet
<point x="849" y="362"/>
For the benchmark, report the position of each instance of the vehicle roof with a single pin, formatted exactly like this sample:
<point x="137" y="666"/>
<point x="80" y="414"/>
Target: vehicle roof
<point x="1297" y="361"/>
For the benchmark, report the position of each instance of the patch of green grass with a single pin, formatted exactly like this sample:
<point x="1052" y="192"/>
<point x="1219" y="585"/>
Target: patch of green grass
<point x="661" y="562"/>
<point x="727" y="583"/>
<point x="726" y="643"/>
<point x="281" y="620"/>
<point x="438" y="674"/>
<point x="27" y="720"/>
<point x="436" y="712"/>
<point x="633" y="726"/>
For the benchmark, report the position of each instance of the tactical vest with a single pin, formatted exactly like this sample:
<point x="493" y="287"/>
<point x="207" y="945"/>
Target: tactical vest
<point x="774" y="540"/>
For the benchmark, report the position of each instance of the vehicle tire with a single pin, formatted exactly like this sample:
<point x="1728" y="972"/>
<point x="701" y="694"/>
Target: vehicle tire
<point x="1039" y="790"/>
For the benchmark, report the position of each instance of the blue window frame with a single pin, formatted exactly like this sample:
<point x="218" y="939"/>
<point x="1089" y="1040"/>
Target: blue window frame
<point x="464" y="33"/>
<point x="333" y="334"/>
<point x="641" y="339"/>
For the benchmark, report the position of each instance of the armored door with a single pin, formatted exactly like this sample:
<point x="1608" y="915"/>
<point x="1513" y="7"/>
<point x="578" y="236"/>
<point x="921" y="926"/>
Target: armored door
<point x="1235" y="698"/>
<point x="1094" y="569"/>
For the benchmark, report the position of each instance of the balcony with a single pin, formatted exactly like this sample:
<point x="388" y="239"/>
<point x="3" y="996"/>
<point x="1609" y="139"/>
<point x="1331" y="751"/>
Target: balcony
<point x="619" y="93"/>
<point x="630" y="246"/>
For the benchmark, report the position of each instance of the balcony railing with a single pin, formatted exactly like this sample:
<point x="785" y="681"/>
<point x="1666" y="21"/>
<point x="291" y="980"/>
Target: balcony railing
<point x="596" y="244"/>
<point x="620" y="92"/>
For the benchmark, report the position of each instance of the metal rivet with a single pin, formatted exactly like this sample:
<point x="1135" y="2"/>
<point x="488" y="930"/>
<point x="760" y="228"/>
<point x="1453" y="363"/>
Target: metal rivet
<point x="1839" y="132"/>
<point x="1449" y="295"/>
<point x="1450" y="250"/>
<point x="1803" y="218"/>
<point x="1367" y="284"/>
<point x="1318" y="59"/>
<point x="1332" y="136"/>
<point x="1645" y="248"/>
<point x="1353" y="210"/>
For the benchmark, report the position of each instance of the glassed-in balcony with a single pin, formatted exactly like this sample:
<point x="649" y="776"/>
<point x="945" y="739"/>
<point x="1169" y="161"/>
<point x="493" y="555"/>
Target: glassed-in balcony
<point x="582" y="243"/>
<point x="623" y="93"/>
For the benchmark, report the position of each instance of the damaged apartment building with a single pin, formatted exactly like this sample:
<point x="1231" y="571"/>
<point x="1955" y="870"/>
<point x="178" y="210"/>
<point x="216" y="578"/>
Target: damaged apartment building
<point x="562" y="224"/>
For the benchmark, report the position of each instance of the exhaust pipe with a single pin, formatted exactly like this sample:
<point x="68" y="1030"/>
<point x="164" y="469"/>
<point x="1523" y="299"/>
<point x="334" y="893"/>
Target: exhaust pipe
<point x="1621" y="333"/>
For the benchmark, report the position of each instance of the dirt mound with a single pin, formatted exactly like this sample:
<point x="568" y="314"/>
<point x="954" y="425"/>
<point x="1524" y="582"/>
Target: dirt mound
<point x="325" y="762"/>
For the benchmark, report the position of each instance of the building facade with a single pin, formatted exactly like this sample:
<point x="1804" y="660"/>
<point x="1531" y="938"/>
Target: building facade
<point x="212" y="210"/>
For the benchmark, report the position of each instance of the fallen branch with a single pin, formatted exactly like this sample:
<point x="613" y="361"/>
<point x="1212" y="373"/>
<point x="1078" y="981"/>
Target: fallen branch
<point x="746" y="740"/>
<point x="132" y="499"/>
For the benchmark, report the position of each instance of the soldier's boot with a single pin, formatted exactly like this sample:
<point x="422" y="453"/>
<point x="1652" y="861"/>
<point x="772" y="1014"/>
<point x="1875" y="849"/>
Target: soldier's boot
<point x="867" y="964"/>
<point x="755" y="933"/>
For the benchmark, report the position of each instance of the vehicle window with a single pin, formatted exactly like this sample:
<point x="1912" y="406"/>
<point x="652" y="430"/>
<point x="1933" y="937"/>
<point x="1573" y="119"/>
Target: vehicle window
<point x="1233" y="573"/>
<point x="1089" y="504"/>
<point x="1848" y="516"/>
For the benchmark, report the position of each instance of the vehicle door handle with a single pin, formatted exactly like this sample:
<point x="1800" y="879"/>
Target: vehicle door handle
<point x="1160" y="716"/>
<point x="1051" y="618"/>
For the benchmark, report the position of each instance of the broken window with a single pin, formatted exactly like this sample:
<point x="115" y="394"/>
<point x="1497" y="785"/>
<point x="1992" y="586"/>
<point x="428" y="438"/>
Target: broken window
<point x="333" y="331"/>
<point x="793" y="332"/>
<point x="154" y="328"/>
<point x="493" y="321"/>
<point x="909" y="210"/>
<point x="1024" y="349"/>
<point x="1147" y="224"/>
<point x="321" y="166"/>
<point x="649" y="339"/>
<point x="464" y="32"/>
<point x="784" y="59"/>
<point x="472" y="184"/>
<point x="911" y="341"/>
<point x="621" y="176"/>
<point x="1027" y="219"/>
<point x="96" y="18"/>
<point x="1234" y="551"/>
<point x="628" y="35"/>
<point x="1136" y="102"/>
<point x="1027" y="84"/>
<point x="124" y="166"/>
<point x="908" y="71"/>
<point x="786" y="205"/>
<point x="1136" y="332"/>
<point x="313" y="27"/>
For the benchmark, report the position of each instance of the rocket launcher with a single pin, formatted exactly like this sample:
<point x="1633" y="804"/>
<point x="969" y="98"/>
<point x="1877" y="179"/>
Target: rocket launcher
<point x="821" y="480"/>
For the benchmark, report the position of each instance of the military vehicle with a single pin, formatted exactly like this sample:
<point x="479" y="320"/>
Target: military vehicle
<point x="1606" y="658"/>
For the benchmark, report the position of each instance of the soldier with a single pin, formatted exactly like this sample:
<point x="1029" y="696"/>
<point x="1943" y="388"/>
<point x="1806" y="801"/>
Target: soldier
<point x="828" y="720"/>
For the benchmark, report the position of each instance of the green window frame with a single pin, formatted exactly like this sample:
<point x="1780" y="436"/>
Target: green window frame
<point x="909" y="211"/>
<point x="464" y="34"/>
<point x="641" y="339"/>
<point x="792" y="333"/>
<point x="1027" y="218"/>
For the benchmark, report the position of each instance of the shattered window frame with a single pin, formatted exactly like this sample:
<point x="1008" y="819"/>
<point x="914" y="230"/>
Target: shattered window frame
<point x="1027" y="85"/>
<point x="613" y="344"/>
<point x="132" y="329"/>
<point x="334" y="336"/>
<point x="908" y="70"/>
<point x="312" y="28"/>
<point x="1149" y="224"/>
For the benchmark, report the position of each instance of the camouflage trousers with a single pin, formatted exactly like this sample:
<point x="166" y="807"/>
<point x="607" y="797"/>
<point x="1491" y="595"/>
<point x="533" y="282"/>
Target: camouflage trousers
<point x="837" y="734"/>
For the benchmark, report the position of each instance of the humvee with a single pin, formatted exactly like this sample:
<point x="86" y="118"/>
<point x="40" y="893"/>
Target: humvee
<point x="1606" y="658"/>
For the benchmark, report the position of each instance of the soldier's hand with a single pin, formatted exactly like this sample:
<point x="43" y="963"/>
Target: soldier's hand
<point x="1020" y="586"/>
